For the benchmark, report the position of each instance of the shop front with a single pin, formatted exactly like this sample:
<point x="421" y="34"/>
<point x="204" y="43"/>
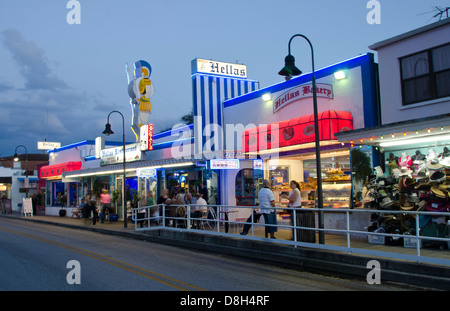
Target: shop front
<point x="58" y="193"/>
<point x="278" y="140"/>
<point x="414" y="175"/>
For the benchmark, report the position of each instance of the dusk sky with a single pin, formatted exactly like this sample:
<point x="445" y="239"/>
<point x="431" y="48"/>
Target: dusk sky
<point x="73" y="75"/>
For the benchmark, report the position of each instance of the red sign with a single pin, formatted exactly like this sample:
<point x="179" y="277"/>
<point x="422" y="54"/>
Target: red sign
<point x="56" y="170"/>
<point x="150" y="137"/>
<point x="296" y="131"/>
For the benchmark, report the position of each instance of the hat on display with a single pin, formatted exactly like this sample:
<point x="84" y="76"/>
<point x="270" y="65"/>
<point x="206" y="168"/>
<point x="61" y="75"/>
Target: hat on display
<point x="421" y="176"/>
<point x="409" y="182"/>
<point x="404" y="172"/>
<point x="434" y="165"/>
<point x="439" y="192"/>
<point x="396" y="172"/>
<point x="438" y="176"/>
<point x="407" y="206"/>
<point x="378" y="171"/>
<point x="445" y="162"/>
<point x="382" y="193"/>
<point x="386" y="202"/>
<point x="423" y="185"/>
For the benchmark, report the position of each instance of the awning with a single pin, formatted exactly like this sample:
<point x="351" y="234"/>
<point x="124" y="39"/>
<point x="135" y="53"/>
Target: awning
<point x="421" y="130"/>
<point x="56" y="170"/>
<point x="296" y="131"/>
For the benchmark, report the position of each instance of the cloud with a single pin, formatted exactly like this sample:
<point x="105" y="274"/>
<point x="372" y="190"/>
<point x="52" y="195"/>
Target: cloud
<point x="41" y="105"/>
<point x="31" y="62"/>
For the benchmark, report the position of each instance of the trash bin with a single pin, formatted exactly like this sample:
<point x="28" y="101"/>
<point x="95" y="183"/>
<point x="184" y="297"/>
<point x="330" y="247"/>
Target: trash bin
<point x="306" y="219"/>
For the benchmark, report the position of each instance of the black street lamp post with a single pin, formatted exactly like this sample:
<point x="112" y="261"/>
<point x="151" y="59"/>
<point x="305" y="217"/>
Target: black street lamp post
<point x="16" y="158"/>
<point x="108" y="131"/>
<point x="288" y="71"/>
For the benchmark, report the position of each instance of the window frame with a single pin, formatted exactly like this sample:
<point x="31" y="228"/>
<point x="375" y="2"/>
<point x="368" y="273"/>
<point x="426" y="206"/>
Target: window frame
<point x="431" y="74"/>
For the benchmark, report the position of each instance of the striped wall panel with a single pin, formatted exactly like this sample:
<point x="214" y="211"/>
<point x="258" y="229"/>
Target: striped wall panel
<point x="209" y="92"/>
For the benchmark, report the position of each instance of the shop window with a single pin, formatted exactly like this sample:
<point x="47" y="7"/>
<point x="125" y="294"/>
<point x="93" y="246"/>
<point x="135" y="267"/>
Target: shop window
<point x="426" y="75"/>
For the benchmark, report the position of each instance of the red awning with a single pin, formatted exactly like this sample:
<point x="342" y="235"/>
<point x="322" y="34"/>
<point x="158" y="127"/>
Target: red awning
<point x="52" y="171"/>
<point x="296" y="131"/>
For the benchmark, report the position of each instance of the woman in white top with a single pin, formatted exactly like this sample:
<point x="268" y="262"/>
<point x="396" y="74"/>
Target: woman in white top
<point x="294" y="195"/>
<point x="294" y="201"/>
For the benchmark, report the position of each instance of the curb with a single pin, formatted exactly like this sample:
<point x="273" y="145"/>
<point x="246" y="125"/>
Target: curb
<point x="424" y="276"/>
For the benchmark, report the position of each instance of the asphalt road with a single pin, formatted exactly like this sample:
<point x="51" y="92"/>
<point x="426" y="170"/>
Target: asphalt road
<point x="35" y="257"/>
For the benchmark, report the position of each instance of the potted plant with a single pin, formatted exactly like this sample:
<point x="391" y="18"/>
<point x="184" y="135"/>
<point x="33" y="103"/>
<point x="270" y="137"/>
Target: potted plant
<point x="115" y="198"/>
<point x="361" y="168"/>
<point x="62" y="200"/>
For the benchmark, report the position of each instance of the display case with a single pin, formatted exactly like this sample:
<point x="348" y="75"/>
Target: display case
<point x="336" y="194"/>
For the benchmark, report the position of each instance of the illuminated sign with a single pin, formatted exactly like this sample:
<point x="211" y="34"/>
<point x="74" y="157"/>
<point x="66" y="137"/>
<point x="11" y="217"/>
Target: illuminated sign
<point x="140" y="89"/>
<point x="46" y="145"/>
<point x="219" y="68"/>
<point x="224" y="164"/>
<point x="300" y="92"/>
<point x="146" y="137"/>
<point x="257" y="164"/>
<point x="115" y="155"/>
<point x="146" y="172"/>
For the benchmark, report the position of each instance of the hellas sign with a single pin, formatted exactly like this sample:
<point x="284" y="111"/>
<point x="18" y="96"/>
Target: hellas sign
<point x="47" y="145"/>
<point x="219" y="68"/>
<point x="302" y="91"/>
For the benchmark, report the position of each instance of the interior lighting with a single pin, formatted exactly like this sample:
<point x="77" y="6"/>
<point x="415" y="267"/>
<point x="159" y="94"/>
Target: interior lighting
<point x="415" y="141"/>
<point x="339" y="75"/>
<point x="429" y="131"/>
<point x="381" y="137"/>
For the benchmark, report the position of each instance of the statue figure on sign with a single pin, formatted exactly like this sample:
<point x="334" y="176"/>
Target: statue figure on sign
<point x="140" y="89"/>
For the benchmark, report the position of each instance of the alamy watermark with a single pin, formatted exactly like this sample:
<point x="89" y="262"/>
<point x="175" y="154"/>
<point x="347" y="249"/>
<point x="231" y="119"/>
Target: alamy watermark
<point x="74" y="275"/>
<point x="374" y="275"/>
<point x="74" y="15"/>
<point x="374" y="15"/>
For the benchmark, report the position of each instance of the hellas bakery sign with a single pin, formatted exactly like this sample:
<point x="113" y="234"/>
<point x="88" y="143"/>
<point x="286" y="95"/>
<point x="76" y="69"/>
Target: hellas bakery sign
<point x="300" y="92"/>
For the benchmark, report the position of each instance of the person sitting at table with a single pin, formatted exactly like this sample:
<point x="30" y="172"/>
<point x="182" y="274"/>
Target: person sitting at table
<point x="80" y="209"/>
<point x="198" y="209"/>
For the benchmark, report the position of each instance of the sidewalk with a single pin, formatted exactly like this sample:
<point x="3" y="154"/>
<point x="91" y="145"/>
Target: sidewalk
<point x="407" y="272"/>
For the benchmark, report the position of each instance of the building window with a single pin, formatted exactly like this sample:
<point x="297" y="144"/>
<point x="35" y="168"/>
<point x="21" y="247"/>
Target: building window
<point x="426" y="75"/>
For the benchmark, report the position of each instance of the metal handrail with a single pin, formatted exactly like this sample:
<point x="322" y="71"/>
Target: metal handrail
<point x="347" y="231"/>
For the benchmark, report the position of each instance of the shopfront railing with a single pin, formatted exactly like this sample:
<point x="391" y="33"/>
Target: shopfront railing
<point x="290" y="232"/>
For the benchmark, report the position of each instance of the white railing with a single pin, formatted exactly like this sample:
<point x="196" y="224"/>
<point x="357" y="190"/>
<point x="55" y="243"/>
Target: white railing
<point x="143" y="220"/>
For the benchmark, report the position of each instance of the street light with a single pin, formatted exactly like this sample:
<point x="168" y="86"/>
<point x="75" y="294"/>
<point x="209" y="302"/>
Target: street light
<point x="288" y="71"/>
<point x="108" y="131"/>
<point x="16" y="159"/>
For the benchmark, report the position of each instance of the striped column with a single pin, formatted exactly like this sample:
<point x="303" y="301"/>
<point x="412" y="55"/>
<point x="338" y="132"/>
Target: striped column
<point x="209" y="92"/>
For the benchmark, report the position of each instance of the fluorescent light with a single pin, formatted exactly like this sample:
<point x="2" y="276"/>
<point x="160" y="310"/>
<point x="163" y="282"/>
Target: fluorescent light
<point x="128" y="170"/>
<point x="339" y="75"/>
<point x="414" y="141"/>
<point x="266" y="97"/>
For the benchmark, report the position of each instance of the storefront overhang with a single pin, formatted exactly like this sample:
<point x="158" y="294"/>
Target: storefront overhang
<point x="426" y="132"/>
<point x="130" y="167"/>
<point x="55" y="171"/>
<point x="297" y="133"/>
